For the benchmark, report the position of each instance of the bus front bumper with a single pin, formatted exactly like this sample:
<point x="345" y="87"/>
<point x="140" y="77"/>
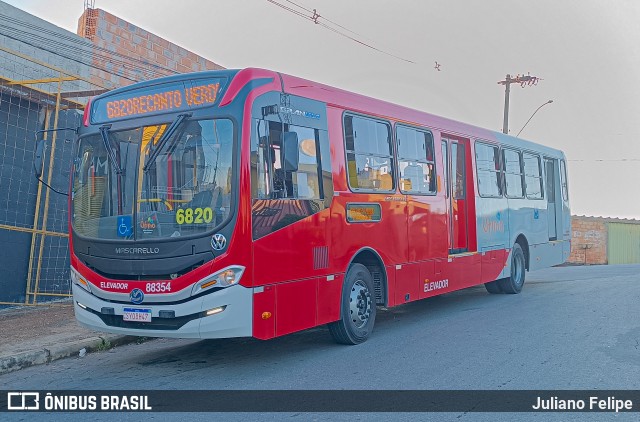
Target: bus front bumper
<point x="221" y="314"/>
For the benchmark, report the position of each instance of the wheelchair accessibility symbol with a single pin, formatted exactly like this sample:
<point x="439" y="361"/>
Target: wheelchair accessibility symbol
<point x="124" y="226"/>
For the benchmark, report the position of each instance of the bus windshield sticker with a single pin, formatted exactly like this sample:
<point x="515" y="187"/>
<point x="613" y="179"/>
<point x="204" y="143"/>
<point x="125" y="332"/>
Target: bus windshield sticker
<point x="363" y="213"/>
<point x="124" y="226"/>
<point x="165" y="98"/>
<point x="149" y="224"/>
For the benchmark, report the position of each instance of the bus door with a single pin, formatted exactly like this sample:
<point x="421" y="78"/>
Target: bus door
<point x="456" y="185"/>
<point x="549" y="165"/>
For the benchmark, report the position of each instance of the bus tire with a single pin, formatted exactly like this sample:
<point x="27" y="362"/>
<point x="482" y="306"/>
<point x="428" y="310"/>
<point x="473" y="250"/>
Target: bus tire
<point x="357" y="307"/>
<point x="493" y="287"/>
<point x="513" y="284"/>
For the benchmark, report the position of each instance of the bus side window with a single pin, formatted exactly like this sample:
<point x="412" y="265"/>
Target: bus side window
<point x="286" y="163"/>
<point x="533" y="176"/>
<point x="563" y="181"/>
<point x="369" y="154"/>
<point x="488" y="170"/>
<point x="416" y="160"/>
<point x="513" y="173"/>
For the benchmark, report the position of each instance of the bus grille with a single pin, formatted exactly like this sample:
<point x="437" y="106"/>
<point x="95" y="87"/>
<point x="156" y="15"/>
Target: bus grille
<point x="320" y="257"/>
<point x="377" y="284"/>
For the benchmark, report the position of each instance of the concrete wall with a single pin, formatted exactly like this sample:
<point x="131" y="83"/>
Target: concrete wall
<point x="42" y="40"/>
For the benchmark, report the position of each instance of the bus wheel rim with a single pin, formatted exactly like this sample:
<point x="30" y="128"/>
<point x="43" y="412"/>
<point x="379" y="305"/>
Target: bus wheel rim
<point x="517" y="269"/>
<point x="359" y="304"/>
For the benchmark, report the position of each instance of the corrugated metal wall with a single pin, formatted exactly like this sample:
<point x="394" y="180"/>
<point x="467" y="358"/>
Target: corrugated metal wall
<point x="624" y="243"/>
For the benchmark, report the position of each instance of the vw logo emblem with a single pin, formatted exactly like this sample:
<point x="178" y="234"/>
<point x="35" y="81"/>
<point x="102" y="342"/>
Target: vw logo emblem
<point x="136" y="296"/>
<point x="218" y="242"/>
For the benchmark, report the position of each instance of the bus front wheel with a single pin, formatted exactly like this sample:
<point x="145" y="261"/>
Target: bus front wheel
<point x="513" y="284"/>
<point x="493" y="287"/>
<point x="357" y="307"/>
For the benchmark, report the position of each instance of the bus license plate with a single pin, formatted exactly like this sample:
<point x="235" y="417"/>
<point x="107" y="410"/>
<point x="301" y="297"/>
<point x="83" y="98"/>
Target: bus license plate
<point x="137" y="315"/>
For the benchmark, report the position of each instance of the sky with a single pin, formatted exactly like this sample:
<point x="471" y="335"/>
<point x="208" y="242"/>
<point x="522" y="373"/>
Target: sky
<point x="586" y="52"/>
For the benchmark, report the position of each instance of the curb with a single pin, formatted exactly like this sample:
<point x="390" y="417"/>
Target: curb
<point x="29" y="358"/>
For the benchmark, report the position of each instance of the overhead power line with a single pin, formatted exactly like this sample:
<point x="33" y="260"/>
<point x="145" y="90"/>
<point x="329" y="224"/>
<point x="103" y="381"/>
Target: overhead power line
<point x="78" y="56"/>
<point x="290" y="10"/>
<point x="83" y="42"/>
<point x="605" y="160"/>
<point x="316" y="18"/>
<point x="75" y="49"/>
<point x="73" y="45"/>
<point x="75" y="59"/>
<point x="301" y="7"/>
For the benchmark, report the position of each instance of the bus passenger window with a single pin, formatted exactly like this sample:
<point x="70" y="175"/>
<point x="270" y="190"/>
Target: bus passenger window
<point x="563" y="181"/>
<point x="488" y="170"/>
<point x="513" y="173"/>
<point x="369" y="154"/>
<point x="416" y="160"/>
<point x="532" y="175"/>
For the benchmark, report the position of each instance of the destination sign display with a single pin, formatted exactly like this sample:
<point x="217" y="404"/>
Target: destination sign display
<point x="157" y="99"/>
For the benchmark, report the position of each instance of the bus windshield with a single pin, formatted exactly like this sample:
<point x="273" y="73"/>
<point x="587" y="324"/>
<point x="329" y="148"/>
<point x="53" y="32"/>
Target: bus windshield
<point x="178" y="187"/>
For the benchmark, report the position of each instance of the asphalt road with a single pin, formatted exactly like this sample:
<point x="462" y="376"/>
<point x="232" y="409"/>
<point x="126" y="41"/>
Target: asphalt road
<point x="570" y="328"/>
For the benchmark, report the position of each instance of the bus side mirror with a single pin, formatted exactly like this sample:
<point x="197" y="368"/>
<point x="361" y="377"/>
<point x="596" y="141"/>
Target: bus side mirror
<point x="38" y="160"/>
<point x="290" y="151"/>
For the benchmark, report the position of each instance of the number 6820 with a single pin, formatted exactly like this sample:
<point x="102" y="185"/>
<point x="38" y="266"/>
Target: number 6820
<point x="194" y="216"/>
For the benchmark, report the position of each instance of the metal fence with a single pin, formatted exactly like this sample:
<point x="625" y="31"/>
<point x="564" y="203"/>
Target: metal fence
<point x="34" y="257"/>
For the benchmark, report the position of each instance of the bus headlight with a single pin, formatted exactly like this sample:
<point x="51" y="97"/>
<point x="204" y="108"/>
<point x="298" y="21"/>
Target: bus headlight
<point x="223" y="278"/>
<point x="76" y="278"/>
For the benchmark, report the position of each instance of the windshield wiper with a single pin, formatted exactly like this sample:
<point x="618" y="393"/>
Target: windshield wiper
<point x="163" y="140"/>
<point x="104" y="132"/>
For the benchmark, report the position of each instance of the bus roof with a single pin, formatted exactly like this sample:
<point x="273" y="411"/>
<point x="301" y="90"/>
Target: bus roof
<point x="337" y="97"/>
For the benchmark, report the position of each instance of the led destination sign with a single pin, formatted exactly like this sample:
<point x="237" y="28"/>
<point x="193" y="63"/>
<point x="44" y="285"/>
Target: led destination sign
<point x="176" y="96"/>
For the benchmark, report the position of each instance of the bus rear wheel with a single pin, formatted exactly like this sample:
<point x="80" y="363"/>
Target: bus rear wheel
<point x="357" y="307"/>
<point x="513" y="284"/>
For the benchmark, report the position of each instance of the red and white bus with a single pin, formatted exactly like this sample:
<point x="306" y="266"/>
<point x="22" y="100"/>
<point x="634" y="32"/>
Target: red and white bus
<point x="253" y="203"/>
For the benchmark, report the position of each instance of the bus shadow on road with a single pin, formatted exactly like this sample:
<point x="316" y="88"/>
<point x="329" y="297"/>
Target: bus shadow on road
<point x="240" y="352"/>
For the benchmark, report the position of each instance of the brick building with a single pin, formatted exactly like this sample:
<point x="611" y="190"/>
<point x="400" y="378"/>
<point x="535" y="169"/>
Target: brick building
<point x="588" y="240"/>
<point x="599" y="240"/>
<point x="116" y="42"/>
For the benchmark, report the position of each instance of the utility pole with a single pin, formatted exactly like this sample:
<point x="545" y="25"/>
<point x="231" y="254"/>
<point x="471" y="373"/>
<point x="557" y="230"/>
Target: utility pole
<point x="523" y="80"/>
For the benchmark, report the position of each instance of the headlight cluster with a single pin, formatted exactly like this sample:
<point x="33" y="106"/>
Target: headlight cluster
<point x="223" y="278"/>
<point x="76" y="278"/>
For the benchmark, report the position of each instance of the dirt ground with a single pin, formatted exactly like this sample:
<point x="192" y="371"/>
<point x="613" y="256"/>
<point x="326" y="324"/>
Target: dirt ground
<point x="26" y="327"/>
